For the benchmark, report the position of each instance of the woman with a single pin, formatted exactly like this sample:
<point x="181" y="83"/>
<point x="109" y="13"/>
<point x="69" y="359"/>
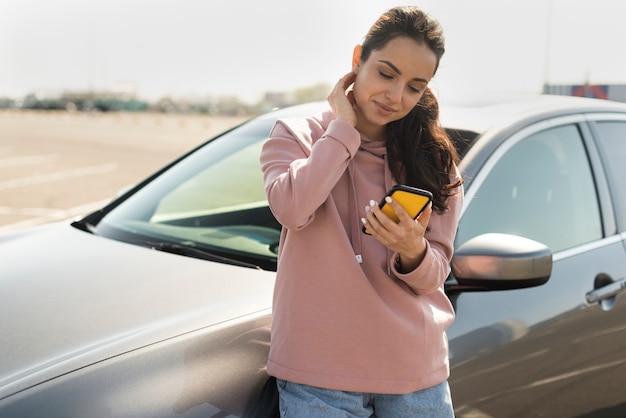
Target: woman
<point x="359" y="320"/>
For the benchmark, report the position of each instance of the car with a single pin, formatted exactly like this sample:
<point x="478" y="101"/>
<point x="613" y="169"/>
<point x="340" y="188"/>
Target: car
<point x="159" y="304"/>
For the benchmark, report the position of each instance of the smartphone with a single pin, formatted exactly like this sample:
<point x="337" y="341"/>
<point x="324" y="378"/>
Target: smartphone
<point x="412" y="199"/>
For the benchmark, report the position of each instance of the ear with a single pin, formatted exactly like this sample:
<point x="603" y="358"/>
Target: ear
<point x="356" y="57"/>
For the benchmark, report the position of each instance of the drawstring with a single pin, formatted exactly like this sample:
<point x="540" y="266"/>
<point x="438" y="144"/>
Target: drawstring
<point x="355" y="230"/>
<point x="355" y="226"/>
<point x="389" y="182"/>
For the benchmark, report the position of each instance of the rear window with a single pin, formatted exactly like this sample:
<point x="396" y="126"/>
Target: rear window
<point x="461" y="139"/>
<point x="613" y="149"/>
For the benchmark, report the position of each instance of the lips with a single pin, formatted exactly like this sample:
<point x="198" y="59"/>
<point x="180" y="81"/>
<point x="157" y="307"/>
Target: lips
<point x="384" y="109"/>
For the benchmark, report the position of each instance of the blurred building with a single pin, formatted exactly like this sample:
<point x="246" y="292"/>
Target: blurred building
<point x="103" y="101"/>
<point x="616" y="92"/>
<point x="111" y="100"/>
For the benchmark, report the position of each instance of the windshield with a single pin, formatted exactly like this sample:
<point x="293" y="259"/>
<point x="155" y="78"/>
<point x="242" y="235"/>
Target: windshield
<point x="213" y="200"/>
<point x="212" y="203"/>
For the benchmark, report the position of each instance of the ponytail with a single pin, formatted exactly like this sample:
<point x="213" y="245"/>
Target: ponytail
<point x="420" y="152"/>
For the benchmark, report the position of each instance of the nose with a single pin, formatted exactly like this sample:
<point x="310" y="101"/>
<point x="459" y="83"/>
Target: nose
<point x="394" y="93"/>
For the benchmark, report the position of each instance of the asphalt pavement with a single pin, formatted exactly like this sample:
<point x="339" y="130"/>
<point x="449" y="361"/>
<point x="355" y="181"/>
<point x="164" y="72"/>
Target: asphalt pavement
<point x="59" y="165"/>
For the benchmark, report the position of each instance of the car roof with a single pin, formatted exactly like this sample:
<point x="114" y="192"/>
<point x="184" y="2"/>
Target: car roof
<point x="480" y="114"/>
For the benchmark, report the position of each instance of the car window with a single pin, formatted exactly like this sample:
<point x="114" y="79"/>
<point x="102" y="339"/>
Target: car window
<point x="542" y="188"/>
<point x="211" y="201"/>
<point x="233" y="182"/>
<point x="613" y="148"/>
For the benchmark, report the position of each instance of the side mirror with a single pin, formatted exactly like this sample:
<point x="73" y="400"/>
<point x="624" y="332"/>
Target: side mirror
<point x="500" y="262"/>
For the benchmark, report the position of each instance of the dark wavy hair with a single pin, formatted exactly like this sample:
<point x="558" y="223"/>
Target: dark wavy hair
<point x="419" y="150"/>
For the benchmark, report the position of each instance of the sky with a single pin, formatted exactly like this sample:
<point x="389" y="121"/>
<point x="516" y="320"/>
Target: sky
<point x="195" y="49"/>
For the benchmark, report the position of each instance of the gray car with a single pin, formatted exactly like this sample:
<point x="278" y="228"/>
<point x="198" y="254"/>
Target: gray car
<point x="159" y="304"/>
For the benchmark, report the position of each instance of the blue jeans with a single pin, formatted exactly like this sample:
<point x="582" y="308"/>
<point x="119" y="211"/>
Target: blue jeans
<point x="302" y="401"/>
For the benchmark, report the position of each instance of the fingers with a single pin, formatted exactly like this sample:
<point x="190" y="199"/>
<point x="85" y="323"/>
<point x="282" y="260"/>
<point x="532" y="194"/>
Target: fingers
<point x="405" y="237"/>
<point x="405" y="219"/>
<point x="341" y="87"/>
<point x="376" y="221"/>
<point x="347" y="80"/>
<point x="380" y="224"/>
<point x="341" y="99"/>
<point x="424" y="217"/>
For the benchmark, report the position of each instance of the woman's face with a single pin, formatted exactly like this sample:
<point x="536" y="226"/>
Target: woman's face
<point x="390" y="83"/>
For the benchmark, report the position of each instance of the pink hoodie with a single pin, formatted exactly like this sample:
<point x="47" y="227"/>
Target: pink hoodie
<point x="338" y="323"/>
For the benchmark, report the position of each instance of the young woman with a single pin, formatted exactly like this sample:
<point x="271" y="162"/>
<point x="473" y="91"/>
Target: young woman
<point x="359" y="320"/>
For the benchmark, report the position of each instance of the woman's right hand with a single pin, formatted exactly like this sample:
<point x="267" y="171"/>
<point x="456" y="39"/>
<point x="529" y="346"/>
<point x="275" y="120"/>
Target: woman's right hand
<point x="341" y="99"/>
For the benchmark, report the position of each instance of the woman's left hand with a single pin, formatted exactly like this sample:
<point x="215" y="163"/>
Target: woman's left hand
<point x="405" y="237"/>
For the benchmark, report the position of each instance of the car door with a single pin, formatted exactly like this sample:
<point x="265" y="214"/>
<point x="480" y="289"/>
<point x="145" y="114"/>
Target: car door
<point x="555" y="349"/>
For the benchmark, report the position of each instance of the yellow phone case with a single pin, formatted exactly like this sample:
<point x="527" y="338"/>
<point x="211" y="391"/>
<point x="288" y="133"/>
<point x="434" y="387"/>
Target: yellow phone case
<point x="412" y="199"/>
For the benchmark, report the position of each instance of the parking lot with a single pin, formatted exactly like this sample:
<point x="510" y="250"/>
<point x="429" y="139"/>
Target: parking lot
<point x="58" y="165"/>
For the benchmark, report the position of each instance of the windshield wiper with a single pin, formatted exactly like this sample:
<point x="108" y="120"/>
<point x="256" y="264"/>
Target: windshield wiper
<point x="186" y="250"/>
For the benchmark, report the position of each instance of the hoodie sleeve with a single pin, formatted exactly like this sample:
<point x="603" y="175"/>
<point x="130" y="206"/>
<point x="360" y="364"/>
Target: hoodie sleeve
<point x="301" y="163"/>
<point x="435" y="267"/>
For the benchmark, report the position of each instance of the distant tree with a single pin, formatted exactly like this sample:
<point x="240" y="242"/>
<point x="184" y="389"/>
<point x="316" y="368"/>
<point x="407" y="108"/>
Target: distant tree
<point x="313" y="93"/>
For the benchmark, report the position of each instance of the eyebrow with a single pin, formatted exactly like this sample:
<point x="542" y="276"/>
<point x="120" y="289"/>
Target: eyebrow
<point x="397" y="70"/>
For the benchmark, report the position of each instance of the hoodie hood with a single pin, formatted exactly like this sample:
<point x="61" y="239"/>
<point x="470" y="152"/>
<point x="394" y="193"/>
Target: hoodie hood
<point x="369" y="153"/>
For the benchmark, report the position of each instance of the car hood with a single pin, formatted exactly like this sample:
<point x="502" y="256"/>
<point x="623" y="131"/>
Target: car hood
<point x="69" y="298"/>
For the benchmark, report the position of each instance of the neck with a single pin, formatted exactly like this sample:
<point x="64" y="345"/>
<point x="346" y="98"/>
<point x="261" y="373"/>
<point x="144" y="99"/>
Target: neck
<point x="371" y="132"/>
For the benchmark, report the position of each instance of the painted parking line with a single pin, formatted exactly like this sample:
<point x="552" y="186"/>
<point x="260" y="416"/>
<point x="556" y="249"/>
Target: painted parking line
<point x="466" y="411"/>
<point x="575" y="373"/>
<point x="12" y="211"/>
<point x="600" y="333"/>
<point x="45" y="215"/>
<point x="28" y="160"/>
<point x="58" y="176"/>
<point x="504" y="365"/>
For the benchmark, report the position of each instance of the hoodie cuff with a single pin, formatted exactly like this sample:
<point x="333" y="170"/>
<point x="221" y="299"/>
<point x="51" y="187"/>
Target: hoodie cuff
<point x="344" y="133"/>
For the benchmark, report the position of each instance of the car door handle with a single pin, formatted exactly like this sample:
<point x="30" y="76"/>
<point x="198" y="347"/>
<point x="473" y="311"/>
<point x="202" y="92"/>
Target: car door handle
<point x="606" y="292"/>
